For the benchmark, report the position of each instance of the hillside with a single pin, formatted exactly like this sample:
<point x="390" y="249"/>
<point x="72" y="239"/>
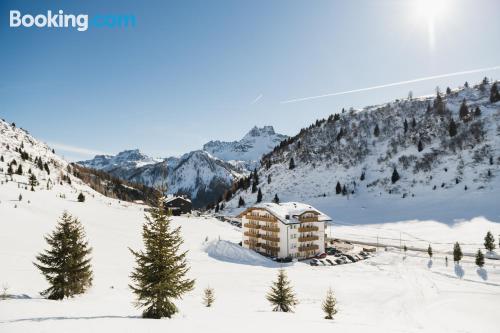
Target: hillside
<point x="361" y="149"/>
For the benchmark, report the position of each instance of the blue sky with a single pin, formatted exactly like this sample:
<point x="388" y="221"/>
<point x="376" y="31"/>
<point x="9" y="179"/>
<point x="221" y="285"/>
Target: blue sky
<point x="192" y="71"/>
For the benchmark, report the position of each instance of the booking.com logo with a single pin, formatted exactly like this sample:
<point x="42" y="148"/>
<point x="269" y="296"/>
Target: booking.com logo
<point x="80" y="22"/>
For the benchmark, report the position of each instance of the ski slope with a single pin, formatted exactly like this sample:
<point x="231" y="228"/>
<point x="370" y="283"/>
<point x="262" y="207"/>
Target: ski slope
<point x="383" y="294"/>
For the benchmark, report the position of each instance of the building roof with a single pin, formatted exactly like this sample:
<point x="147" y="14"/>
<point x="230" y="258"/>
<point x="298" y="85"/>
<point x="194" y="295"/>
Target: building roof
<point x="172" y="198"/>
<point x="292" y="210"/>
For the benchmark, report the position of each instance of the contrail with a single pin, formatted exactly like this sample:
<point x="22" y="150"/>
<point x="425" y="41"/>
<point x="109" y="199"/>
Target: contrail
<point x="257" y="99"/>
<point x="392" y="84"/>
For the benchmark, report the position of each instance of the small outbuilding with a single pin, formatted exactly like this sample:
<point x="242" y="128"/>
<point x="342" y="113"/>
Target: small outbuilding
<point x="178" y="205"/>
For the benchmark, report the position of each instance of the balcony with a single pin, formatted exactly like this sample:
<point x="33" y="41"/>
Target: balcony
<point x="271" y="229"/>
<point x="252" y="243"/>
<point x="260" y="218"/>
<point x="308" y="228"/>
<point x="308" y="238"/>
<point x="270" y="248"/>
<point x="310" y="247"/>
<point x="251" y="234"/>
<point x="270" y="238"/>
<point x="251" y="225"/>
<point x="309" y="219"/>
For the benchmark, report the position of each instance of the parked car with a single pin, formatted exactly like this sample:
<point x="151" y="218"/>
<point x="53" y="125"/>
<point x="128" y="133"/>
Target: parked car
<point x="313" y="262"/>
<point x="321" y="256"/>
<point x="339" y="261"/>
<point x="351" y="258"/>
<point x="286" y="259"/>
<point x="330" y="262"/>
<point x="322" y="262"/>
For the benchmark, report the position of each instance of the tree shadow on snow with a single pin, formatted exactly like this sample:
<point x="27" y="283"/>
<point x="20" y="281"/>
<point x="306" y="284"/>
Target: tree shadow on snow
<point x="40" y="319"/>
<point x="482" y="273"/>
<point x="429" y="264"/>
<point x="459" y="271"/>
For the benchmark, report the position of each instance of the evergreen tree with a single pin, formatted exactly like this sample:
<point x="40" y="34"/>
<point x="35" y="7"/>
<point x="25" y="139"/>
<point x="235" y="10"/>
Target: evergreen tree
<point x="81" y="197"/>
<point x="464" y="111"/>
<point x="395" y="176"/>
<point x="66" y="265"/>
<point x="241" y="202"/>
<point x="33" y="181"/>
<point x="269" y="179"/>
<point x="20" y="197"/>
<point x="376" y="131"/>
<point x="1" y="159"/>
<point x="405" y="126"/>
<point x="489" y="241"/>
<point x="494" y="94"/>
<point x="9" y="170"/>
<point x="405" y="248"/>
<point x="477" y="112"/>
<point x="448" y="91"/>
<point x="338" y="188"/>
<point x="457" y="253"/>
<point x="479" y="258"/>
<point x="466" y="84"/>
<point x="452" y="129"/>
<point x="259" y="196"/>
<point x="291" y="166"/>
<point x="19" y="169"/>
<point x="255" y="176"/>
<point x="160" y="274"/>
<point x="362" y="176"/>
<point x="46" y="167"/>
<point x="344" y="190"/>
<point x="429" y="251"/>
<point x="329" y="304"/>
<point x="254" y="187"/>
<point x="420" y="146"/>
<point x="217" y="208"/>
<point x="281" y="295"/>
<point x="39" y="163"/>
<point x="208" y="297"/>
<point x="276" y="199"/>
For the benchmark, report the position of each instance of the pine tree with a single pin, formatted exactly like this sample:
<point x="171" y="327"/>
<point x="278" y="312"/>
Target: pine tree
<point x="452" y="129"/>
<point x="457" y="253"/>
<point x="477" y="112"/>
<point x="376" y="131"/>
<point x="19" y="169"/>
<point x="429" y="251"/>
<point x="217" y="208"/>
<point x="464" y="111"/>
<point x="81" y="197"/>
<point x="405" y="248"/>
<point x="291" y="166"/>
<point x="329" y="304"/>
<point x="241" y="202"/>
<point x="494" y="94"/>
<point x="420" y="146"/>
<point x="1" y="159"/>
<point x="281" y="295"/>
<point x="208" y="297"/>
<point x="405" y="126"/>
<point x="479" y="258"/>
<point x="160" y="274"/>
<point x="362" y="176"/>
<point x="259" y="196"/>
<point x="395" y="176"/>
<point x="344" y="190"/>
<point x="276" y="200"/>
<point x="338" y="188"/>
<point x="448" y="91"/>
<point x="269" y="179"/>
<point x="33" y="181"/>
<point x="254" y="187"/>
<point x="20" y="198"/>
<point x="489" y="241"/>
<point x="66" y="265"/>
<point x="413" y="123"/>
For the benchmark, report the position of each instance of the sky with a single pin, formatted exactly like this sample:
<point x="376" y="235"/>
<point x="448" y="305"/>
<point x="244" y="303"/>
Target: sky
<point x="193" y="71"/>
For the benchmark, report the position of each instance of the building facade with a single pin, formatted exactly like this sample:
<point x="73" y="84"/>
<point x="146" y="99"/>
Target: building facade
<point x="285" y="230"/>
<point x="178" y="205"/>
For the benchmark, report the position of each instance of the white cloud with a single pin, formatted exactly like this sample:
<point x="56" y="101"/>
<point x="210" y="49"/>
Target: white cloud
<point x="76" y="150"/>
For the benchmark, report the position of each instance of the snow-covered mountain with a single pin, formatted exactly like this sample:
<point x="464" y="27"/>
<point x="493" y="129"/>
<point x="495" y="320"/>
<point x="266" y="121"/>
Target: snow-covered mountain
<point x="406" y="150"/>
<point x="204" y="175"/>
<point x="128" y="159"/>
<point x="249" y="150"/>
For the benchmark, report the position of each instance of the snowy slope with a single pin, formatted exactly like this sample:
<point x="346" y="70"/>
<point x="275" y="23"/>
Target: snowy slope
<point x="257" y="142"/>
<point x="382" y="294"/>
<point x="450" y="173"/>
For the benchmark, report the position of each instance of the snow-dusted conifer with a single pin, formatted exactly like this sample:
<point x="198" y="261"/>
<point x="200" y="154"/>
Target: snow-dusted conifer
<point x="66" y="264"/>
<point x="281" y="295"/>
<point x="329" y="304"/>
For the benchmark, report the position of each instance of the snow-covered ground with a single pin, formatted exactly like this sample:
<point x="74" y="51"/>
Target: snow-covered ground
<point x="381" y="294"/>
